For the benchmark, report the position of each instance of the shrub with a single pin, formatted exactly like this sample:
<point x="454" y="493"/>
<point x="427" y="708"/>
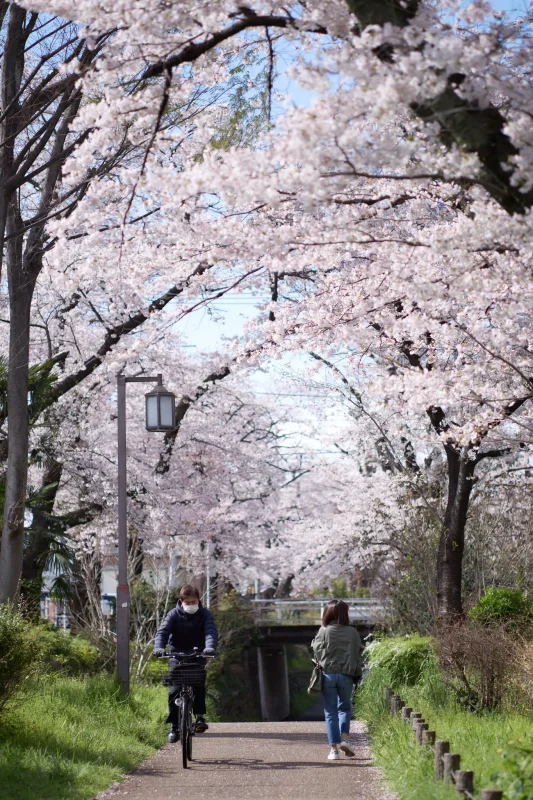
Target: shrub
<point x="61" y="651"/>
<point x="402" y="659"/>
<point x="17" y="652"/>
<point x="523" y="684"/>
<point x="508" y="607"/>
<point x="481" y="661"/>
<point x="517" y="771"/>
<point x="156" y="671"/>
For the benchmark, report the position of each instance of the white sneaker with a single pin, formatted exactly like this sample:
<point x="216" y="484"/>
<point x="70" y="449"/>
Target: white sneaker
<point x="333" y="755"/>
<point x="347" y="749"/>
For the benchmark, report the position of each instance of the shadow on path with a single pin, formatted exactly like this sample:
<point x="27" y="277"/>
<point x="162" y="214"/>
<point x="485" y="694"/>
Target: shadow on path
<point x="315" y="738"/>
<point x="257" y="764"/>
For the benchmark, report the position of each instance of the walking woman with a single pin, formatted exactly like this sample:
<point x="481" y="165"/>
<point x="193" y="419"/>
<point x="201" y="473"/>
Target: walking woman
<point x="337" y="648"/>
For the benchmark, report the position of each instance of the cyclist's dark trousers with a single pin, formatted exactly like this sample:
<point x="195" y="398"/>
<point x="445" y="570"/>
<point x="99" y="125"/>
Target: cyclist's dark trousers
<point x="198" y="705"/>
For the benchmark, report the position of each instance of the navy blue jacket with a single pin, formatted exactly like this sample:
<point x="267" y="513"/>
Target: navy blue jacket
<point x="183" y="632"/>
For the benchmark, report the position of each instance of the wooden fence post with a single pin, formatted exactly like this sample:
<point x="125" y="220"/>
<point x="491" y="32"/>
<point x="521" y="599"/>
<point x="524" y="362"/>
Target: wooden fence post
<point x="491" y="794"/>
<point x="415" y="715"/>
<point x="464" y="780"/>
<point x="387" y="693"/>
<point x="441" y="748"/>
<point x="452" y="762"/>
<point x="406" y="713"/>
<point x="422" y="728"/>
<point x="428" y="738"/>
<point x="395" y="703"/>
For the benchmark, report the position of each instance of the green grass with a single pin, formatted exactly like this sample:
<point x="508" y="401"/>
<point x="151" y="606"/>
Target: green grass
<point x="70" y="738"/>
<point x="407" y="767"/>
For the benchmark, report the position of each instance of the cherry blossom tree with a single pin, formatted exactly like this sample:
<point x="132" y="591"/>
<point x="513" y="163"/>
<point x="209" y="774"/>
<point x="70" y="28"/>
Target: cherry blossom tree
<point x="43" y="62"/>
<point x="390" y="218"/>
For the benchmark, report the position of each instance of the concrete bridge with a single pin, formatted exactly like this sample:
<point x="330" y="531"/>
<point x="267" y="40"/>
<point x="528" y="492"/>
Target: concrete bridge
<point x="363" y="612"/>
<point x="283" y="622"/>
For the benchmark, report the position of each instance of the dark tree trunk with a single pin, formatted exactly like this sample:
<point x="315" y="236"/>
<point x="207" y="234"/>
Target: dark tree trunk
<point x="285" y="587"/>
<point x="21" y="288"/>
<point x="451" y="546"/>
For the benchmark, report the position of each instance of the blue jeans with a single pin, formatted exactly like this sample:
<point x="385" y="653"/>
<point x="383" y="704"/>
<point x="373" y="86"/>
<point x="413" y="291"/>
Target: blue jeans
<point x="337" y="690"/>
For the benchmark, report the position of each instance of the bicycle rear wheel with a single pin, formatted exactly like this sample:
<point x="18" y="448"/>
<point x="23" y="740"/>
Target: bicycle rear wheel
<point x="185" y="731"/>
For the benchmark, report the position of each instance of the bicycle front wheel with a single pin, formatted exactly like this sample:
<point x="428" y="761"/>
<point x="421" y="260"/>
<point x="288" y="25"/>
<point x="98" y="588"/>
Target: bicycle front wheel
<point x="185" y="730"/>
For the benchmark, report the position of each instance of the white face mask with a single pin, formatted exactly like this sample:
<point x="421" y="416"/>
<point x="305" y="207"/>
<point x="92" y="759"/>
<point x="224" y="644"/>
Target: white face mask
<point x="190" y="609"/>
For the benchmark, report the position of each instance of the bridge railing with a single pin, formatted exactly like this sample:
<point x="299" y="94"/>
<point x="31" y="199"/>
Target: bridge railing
<point x="309" y="612"/>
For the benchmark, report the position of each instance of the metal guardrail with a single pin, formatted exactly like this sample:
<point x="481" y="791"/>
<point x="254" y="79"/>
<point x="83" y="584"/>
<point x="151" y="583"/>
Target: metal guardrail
<point x="309" y="612"/>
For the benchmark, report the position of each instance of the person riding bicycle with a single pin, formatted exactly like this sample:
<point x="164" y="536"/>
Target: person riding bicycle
<point x="186" y="627"/>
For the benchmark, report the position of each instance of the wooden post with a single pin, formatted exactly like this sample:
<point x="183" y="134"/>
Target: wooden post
<point x="387" y="694"/>
<point x="491" y="794"/>
<point x="406" y="713"/>
<point x="441" y="748"/>
<point x="418" y="726"/>
<point x="420" y="730"/>
<point x="395" y="703"/>
<point x="428" y="738"/>
<point x="415" y="715"/>
<point x="415" y="722"/>
<point x="464" y="780"/>
<point x="452" y="762"/>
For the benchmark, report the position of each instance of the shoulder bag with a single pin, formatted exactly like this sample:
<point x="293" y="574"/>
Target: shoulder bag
<point x="315" y="684"/>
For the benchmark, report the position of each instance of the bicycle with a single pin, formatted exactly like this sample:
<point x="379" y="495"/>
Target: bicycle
<point x="186" y="675"/>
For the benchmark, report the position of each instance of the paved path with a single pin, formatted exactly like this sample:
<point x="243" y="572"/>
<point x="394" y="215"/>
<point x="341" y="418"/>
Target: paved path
<point x="257" y="761"/>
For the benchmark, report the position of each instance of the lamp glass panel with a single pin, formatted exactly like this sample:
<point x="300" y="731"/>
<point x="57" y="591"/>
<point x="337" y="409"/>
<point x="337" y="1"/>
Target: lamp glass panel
<point x="167" y="411"/>
<point x="151" y="412"/>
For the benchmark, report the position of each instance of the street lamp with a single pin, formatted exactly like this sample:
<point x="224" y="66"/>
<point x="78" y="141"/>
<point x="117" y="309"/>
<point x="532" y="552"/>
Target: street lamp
<point x="160" y="416"/>
<point x="160" y="409"/>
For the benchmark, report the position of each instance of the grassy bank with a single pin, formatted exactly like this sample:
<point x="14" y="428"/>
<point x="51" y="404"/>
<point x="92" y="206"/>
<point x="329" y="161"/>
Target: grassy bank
<point x="479" y="738"/>
<point x="70" y="738"/>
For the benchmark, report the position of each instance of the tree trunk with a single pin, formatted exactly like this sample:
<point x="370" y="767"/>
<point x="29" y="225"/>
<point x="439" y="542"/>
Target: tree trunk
<point x="20" y="296"/>
<point x="21" y="287"/>
<point x="451" y="546"/>
<point x="284" y="587"/>
<point x="12" y="70"/>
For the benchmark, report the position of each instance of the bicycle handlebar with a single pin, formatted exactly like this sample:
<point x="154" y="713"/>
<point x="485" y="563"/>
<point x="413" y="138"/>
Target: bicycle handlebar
<point x="184" y="655"/>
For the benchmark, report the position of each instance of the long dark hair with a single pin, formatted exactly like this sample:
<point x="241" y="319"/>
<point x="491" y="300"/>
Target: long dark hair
<point x="336" y="611"/>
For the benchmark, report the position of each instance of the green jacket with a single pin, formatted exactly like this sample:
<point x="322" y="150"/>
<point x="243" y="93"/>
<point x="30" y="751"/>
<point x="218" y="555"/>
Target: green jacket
<point x="337" y="648"/>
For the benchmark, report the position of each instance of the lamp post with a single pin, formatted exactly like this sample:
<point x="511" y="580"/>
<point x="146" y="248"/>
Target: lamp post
<point x="160" y="416"/>
<point x="208" y="574"/>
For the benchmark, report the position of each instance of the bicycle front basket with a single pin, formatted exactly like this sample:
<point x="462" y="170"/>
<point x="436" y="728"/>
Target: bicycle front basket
<point x="187" y="676"/>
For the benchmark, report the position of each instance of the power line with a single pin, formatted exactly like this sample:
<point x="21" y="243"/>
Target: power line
<point x="289" y="394"/>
